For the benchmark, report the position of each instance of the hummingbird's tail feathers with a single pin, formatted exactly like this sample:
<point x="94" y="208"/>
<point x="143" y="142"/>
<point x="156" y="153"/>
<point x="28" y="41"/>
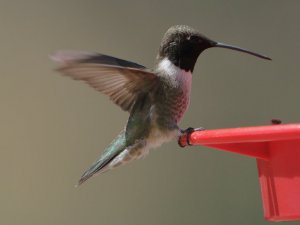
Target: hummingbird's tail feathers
<point x="109" y="154"/>
<point x="96" y="168"/>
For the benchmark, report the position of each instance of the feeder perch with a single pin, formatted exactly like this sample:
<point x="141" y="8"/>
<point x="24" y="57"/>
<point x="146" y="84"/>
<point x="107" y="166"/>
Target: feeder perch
<point x="277" y="152"/>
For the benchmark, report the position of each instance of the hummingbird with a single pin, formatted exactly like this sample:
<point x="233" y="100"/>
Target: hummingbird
<point x="155" y="99"/>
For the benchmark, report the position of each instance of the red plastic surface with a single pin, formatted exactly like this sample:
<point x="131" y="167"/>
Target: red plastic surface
<point x="277" y="150"/>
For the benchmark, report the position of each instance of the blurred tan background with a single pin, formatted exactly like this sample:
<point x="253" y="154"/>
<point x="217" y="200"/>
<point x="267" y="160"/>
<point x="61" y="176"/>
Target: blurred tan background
<point x="53" y="128"/>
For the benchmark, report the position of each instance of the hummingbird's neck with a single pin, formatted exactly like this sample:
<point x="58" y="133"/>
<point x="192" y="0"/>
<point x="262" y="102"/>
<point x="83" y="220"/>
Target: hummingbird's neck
<point x="184" y="63"/>
<point x="173" y="75"/>
<point x="167" y="67"/>
<point x="182" y="59"/>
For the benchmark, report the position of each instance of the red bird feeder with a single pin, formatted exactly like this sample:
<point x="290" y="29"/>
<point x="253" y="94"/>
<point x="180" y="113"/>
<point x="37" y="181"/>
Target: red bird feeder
<point x="277" y="152"/>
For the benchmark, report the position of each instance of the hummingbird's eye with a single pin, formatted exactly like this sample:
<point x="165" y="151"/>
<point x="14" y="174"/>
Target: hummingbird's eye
<point x="195" y="38"/>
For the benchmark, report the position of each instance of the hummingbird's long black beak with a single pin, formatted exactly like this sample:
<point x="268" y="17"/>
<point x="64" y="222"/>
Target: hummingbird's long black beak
<point x="222" y="45"/>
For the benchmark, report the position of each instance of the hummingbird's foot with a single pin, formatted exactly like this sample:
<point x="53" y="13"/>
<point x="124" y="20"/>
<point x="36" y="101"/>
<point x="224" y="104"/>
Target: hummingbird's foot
<point x="276" y="121"/>
<point x="184" y="138"/>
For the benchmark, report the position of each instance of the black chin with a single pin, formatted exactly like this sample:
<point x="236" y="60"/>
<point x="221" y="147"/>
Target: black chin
<point x="186" y="64"/>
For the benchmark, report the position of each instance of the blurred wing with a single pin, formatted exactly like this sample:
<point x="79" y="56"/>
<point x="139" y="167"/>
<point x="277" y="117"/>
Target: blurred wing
<point x="121" y="80"/>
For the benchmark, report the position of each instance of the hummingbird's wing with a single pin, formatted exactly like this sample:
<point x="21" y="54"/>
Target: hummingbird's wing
<point x="121" y="80"/>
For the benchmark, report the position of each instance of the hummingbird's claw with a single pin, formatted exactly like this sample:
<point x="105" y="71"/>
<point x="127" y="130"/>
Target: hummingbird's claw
<point x="276" y="121"/>
<point x="184" y="138"/>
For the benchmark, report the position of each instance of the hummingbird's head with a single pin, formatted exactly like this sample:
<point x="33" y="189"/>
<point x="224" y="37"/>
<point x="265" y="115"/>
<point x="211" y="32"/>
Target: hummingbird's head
<point x="182" y="45"/>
